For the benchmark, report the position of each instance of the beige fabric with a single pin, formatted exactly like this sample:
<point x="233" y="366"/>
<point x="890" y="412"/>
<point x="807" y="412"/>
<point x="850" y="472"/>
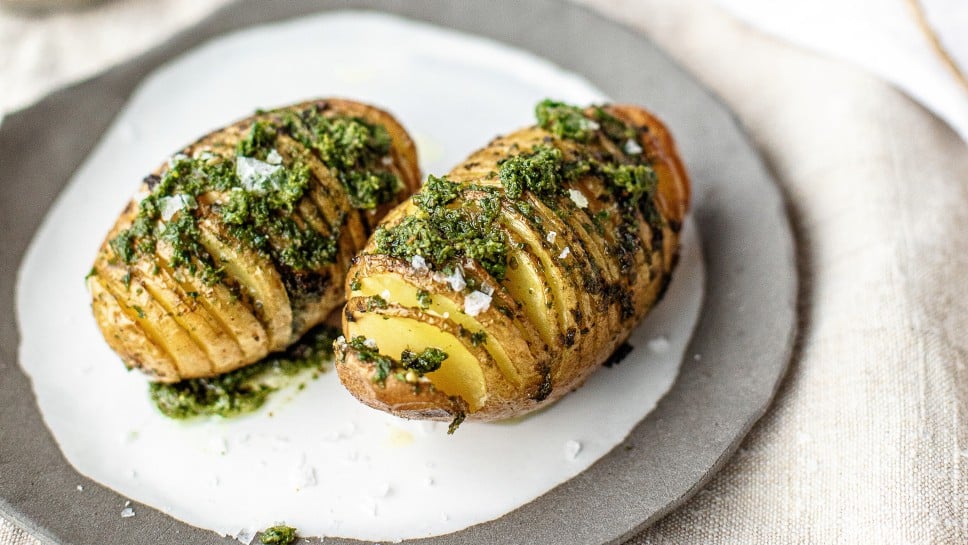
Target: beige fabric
<point x="868" y="440"/>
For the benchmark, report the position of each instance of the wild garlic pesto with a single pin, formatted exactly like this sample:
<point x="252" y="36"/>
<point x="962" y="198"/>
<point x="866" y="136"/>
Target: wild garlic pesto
<point x="255" y="192"/>
<point x="449" y="226"/>
<point x="442" y="234"/>
<point x="245" y="390"/>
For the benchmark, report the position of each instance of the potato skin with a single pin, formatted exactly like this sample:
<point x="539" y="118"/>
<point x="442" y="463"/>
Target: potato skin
<point x="168" y="322"/>
<point x="592" y="295"/>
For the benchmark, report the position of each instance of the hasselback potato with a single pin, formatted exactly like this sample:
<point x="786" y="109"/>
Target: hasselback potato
<point x="240" y="243"/>
<point x="501" y="286"/>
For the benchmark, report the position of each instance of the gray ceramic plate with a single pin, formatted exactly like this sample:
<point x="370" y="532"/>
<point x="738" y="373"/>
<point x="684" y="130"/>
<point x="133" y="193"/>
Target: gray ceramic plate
<point x="744" y="334"/>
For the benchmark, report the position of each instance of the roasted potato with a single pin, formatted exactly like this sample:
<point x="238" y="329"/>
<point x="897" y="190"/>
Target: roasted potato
<point x="500" y="287"/>
<point x="240" y="243"/>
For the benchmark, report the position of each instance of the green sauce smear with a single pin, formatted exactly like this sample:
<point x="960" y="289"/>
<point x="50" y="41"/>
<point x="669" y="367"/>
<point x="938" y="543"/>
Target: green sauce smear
<point x="245" y="390"/>
<point x="278" y="535"/>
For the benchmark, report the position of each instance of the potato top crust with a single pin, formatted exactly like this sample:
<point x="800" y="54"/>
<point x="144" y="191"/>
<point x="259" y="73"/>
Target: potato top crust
<point x="540" y="252"/>
<point x="240" y="242"/>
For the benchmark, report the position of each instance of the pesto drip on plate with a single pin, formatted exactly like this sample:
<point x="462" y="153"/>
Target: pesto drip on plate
<point x="254" y="193"/>
<point x="245" y="390"/>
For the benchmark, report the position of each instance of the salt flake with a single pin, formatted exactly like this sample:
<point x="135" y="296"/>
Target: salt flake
<point x="632" y="147"/>
<point x="476" y="302"/>
<point x="579" y="198"/>
<point x="169" y="206"/>
<point x="418" y="263"/>
<point x="273" y="158"/>
<point x="303" y="476"/>
<point x="572" y="448"/>
<point x="255" y="175"/>
<point x="564" y="253"/>
<point x="128" y="511"/>
<point x="659" y="345"/>
<point x="455" y="279"/>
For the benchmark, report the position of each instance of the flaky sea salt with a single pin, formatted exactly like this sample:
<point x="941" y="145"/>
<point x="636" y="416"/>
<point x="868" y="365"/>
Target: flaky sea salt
<point x="658" y="345"/>
<point x="551" y="237"/>
<point x="175" y="159"/>
<point x="303" y="476"/>
<point x="572" y="448"/>
<point x="632" y="147"/>
<point x="565" y="253"/>
<point x="255" y="175"/>
<point x="579" y="198"/>
<point x="418" y="263"/>
<point x="245" y="535"/>
<point x="455" y="279"/>
<point x="169" y="206"/>
<point x="476" y="302"/>
<point x="273" y="158"/>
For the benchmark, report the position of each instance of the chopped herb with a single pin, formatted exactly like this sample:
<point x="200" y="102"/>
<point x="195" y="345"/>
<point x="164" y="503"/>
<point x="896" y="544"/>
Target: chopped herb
<point x="478" y="338"/>
<point x="354" y="149"/>
<point x="428" y="361"/>
<point x="442" y="235"/>
<point x="259" y="141"/>
<point x="137" y="309"/>
<point x="375" y="301"/>
<point x="278" y="535"/>
<point x="636" y="182"/>
<point x="424" y="299"/>
<point x="565" y="121"/>
<point x="368" y="354"/>
<point x="244" y="390"/>
<point x="455" y="423"/>
<point x="355" y="285"/>
<point x="540" y="172"/>
<point x="436" y="192"/>
<point x="614" y="128"/>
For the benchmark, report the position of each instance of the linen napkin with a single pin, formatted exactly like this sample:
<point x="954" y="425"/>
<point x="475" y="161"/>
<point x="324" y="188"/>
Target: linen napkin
<point x="868" y="439"/>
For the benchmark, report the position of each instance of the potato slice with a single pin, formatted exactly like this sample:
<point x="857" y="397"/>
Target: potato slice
<point x="577" y="208"/>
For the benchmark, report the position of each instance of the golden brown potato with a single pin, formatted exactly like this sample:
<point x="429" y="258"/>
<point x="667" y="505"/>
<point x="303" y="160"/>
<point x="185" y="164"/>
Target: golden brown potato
<point x="240" y="243"/>
<point x="500" y="287"/>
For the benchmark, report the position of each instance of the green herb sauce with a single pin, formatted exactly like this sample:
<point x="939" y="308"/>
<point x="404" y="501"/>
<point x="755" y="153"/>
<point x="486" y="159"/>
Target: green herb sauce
<point x="245" y="390"/>
<point x="427" y="361"/>
<point x="366" y="354"/>
<point x="443" y="234"/>
<point x="565" y="121"/>
<point x="278" y="535"/>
